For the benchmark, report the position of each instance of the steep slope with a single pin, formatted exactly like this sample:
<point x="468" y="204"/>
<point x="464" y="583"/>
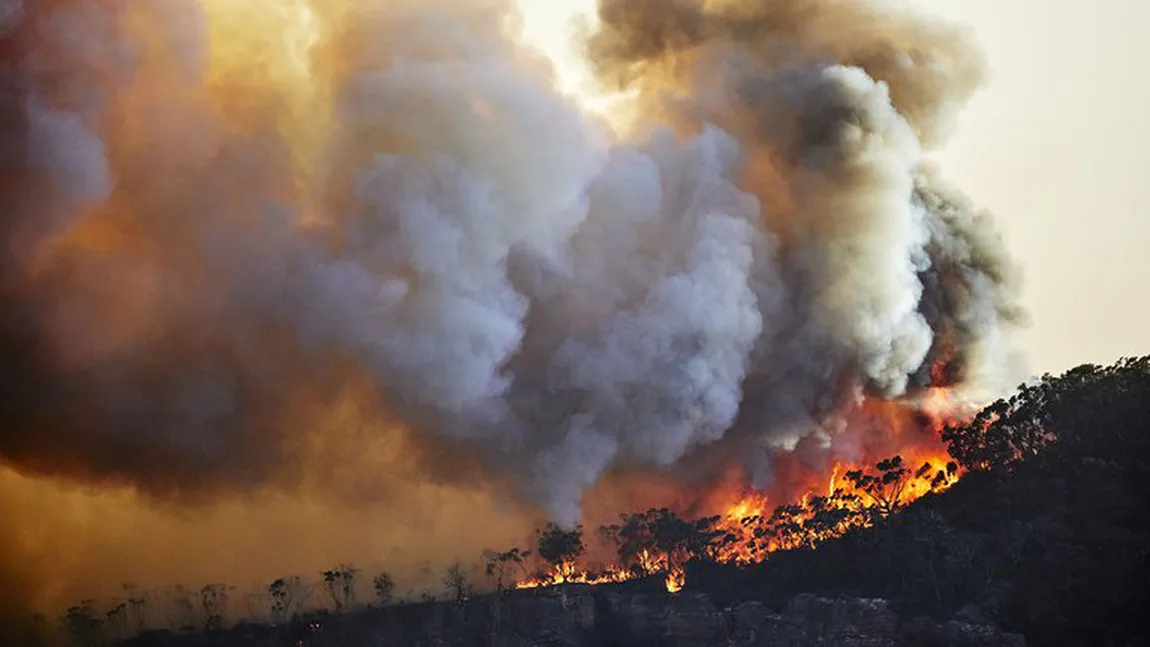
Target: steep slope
<point x="1048" y="534"/>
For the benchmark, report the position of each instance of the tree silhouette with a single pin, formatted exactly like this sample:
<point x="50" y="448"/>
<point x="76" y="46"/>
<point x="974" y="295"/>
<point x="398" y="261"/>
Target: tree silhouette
<point x="137" y="605"/>
<point x="457" y="583"/>
<point x="214" y="603"/>
<point x="886" y="488"/>
<point x="560" y="548"/>
<point x="807" y="524"/>
<point x="496" y="564"/>
<point x="83" y="623"/>
<point x="339" y="583"/>
<point x="383" y="586"/>
<point x="659" y="540"/>
<point x="116" y="620"/>
<point x="288" y="594"/>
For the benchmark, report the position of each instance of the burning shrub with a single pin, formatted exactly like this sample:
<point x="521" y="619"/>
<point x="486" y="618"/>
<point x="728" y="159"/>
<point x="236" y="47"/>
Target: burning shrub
<point x="561" y="549"/>
<point x="658" y="540"/>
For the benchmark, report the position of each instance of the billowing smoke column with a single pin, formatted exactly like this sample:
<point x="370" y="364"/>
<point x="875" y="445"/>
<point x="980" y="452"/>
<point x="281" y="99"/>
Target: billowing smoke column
<point x="219" y="216"/>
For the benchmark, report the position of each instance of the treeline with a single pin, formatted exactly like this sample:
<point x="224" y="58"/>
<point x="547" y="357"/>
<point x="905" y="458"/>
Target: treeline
<point x="1047" y="534"/>
<point x="215" y="607"/>
<point x="644" y="544"/>
<point x="660" y="541"/>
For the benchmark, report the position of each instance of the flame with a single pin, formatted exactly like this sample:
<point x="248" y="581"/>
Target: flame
<point x="567" y="573"/>
<point x="746" y="520"/>
<point x="826" y="506"/>
<point x="674" y="581"/>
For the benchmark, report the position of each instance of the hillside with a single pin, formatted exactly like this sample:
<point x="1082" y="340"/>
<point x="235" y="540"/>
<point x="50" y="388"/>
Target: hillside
<point x="1047" y="534"/>
<point x="586" y="616"/>
<point x="1044" y="537"/>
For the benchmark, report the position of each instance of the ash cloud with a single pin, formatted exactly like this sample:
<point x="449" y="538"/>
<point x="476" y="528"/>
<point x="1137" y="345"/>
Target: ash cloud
<point x="211" y="240"/>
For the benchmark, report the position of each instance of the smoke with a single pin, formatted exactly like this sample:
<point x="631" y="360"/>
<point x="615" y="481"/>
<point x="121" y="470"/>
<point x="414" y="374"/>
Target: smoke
<point x="227" y="226"/>
<point x="891" y="280"/>
<point x="64" y="543"/>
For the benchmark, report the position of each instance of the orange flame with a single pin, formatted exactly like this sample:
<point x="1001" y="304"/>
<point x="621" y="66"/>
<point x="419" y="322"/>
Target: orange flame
<point x="567" y="573"/>
<point x="853" y="495"/>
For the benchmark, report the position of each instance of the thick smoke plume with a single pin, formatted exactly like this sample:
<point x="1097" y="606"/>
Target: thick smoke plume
<point x="222" y="220"/>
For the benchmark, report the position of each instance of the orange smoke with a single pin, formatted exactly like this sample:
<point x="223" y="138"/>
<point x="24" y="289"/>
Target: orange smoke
<point x="271" y="268"/>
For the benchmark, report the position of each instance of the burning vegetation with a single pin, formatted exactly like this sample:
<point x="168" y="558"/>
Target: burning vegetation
<point x="745" y="525"/>
<point x="746" y="530"/>
<point x="749" y="525"/>
<point x="1062" y="454"/>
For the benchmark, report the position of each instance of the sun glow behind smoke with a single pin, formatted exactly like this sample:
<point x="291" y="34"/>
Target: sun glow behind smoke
<point x="277" y="41"/>
<point x="265" y="30"/>
<point x="552" y="27"/>
<point x="271" y="44"/>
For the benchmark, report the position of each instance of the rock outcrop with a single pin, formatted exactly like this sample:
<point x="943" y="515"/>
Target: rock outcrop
<point x="587" y="616"/>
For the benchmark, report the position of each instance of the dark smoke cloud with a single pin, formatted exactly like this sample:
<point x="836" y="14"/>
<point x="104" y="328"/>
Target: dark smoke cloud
<point x="210" y="242"/>
<point x="930" y="68"/>
<point x="891" y="280"/>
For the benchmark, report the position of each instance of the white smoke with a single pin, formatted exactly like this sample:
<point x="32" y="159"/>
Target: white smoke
<point x="459" y="233"/>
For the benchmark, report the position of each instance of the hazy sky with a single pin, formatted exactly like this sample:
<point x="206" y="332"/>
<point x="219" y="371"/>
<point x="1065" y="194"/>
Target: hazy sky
<point x="1058" y="147"/>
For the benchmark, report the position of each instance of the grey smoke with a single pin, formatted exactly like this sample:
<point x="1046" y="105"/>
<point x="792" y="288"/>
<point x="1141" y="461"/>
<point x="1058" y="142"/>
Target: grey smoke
<point x="512" y="288"/>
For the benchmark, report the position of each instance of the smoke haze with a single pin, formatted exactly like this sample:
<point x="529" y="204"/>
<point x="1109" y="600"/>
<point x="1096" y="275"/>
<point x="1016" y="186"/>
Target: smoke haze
<point x="352" y="271"/>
